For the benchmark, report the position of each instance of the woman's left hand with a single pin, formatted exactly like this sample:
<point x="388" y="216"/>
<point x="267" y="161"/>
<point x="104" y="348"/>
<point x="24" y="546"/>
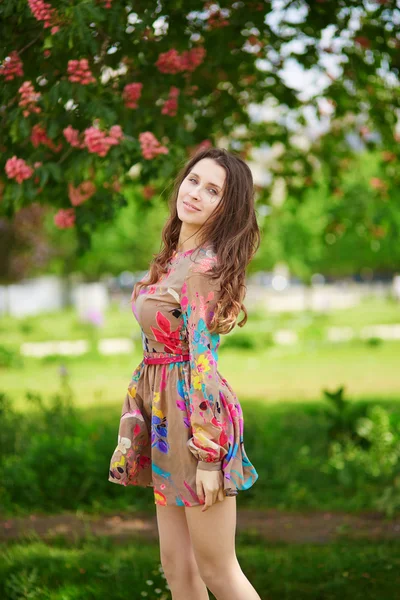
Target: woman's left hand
<point x="210" y="487"/>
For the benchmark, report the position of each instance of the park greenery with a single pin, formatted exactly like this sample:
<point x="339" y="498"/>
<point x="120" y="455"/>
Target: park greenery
<point x="101" y="103"/>
<point x="95" y="93"/>
<point x="351" y="233"/>
<point x="98" y="568"/>
<point x="322" y="426"/>
<point x="322" y="432"/>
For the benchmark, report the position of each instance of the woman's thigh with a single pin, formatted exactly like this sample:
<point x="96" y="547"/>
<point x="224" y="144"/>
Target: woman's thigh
<point x="212" y="533"/>
<point x="176" y="549"/>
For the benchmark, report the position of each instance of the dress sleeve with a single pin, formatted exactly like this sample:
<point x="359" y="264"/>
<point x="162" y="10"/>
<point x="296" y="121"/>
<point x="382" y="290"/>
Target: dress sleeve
<point x="198" y="299"/>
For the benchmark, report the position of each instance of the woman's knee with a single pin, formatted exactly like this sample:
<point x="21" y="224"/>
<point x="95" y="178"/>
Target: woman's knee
<point x="213" y="571"/>
<point x="176" y="552"/>
<point x="179" y="565"/>
<point x="213" y="538"/>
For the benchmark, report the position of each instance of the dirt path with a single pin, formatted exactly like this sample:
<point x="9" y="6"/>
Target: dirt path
<point x="272" y="525"/>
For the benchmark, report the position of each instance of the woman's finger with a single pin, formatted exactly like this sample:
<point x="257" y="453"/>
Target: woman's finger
<point x="200" y="491"/>
<point x="208" y="501"/>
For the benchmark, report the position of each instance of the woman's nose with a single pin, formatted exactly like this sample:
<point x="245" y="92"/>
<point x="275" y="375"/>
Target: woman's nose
<point x="195" y="192"/>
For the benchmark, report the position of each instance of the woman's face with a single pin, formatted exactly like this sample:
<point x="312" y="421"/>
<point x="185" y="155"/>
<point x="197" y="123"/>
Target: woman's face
<point x="203" y="189"/>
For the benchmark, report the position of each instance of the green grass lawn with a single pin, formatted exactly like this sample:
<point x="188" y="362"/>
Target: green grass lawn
<point x="293" y="374"/>
<point x="280" y="389"/>
<point x="95" y="568"/>
<point x="268" y="373"/>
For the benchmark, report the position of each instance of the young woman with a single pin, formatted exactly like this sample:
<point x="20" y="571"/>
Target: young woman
<point x="181" y="427"/>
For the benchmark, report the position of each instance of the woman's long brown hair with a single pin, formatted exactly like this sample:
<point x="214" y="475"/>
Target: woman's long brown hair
<point x="231" y="229"/>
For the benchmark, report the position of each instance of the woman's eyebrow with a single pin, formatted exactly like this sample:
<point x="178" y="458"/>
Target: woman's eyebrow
<point x="209" y="183"/>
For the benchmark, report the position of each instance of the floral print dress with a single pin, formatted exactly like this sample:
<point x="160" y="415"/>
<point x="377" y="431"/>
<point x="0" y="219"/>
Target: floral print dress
<point x="180" y="416"/>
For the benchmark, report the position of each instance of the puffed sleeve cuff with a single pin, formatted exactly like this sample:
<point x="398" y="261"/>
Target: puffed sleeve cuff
<point x="209" y="466"/>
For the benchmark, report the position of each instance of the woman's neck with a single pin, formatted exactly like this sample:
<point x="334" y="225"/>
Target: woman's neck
<point x="187" y="241"/>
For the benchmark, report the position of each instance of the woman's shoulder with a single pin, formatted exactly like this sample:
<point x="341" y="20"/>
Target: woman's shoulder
<point x="202" y="259"/>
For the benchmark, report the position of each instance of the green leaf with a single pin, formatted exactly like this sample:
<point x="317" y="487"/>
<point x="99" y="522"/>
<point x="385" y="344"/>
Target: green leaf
<point x="55" y="171"/>
<point x="48" y="42"/>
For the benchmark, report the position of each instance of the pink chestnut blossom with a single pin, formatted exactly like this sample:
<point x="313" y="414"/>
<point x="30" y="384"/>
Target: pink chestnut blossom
<point x="388" y="156"/>
<point x="148" y="191"/>
<point x="43" y="11"/>
<point x="171" y="62"/>
<point x="65" y="218"/>
<point x="150" y="146"/>
<point x="131" y="94"/>
<point x="115" y="185"/>
<point x="191" y="59"/>
<point x="378" y="184"/>
<point x="39" y="136"/>
<point x="98" y="142"/>
<point x="95" y="140"/>
<point x="12" y="67"/>
<point x="170" y="106"/>
<point x="116" y="133"/>
<point x="79" y="72"/>
<point x="80" y="194"/>
<point x="29" y="98"/>
<point x="72" y="137"/>
<point x="203" y="145"/>
<point x="16" y="168"/>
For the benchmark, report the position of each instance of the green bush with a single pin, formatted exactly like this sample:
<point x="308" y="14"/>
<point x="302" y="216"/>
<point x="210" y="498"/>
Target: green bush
<point x="374" y="341"/>
<point x="378" y="460"/>
<point x="51" y="459"/>
<point x="9" y="428"/>
<point x="55" y="457"/>
<point x="10" y="357"/>
<point x="343" y="416"/>
<point x="241" y="340"/>
<point x="247" y="340"/>
<point x="27" y="326"/>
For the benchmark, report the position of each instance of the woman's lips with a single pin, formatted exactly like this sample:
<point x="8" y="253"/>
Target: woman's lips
<point x="190" y="208"/>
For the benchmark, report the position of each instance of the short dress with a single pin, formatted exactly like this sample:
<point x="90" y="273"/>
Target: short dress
<point x="180" y="414"/>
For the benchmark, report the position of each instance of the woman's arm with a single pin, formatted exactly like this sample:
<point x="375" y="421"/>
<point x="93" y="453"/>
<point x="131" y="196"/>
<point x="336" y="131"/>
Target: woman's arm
<point x="198" y="299"/>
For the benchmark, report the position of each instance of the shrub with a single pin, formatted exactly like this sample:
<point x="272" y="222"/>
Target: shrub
<point x="246" y="340"/>
<point x="10" y="357"/>
<point x="343" y="415"/>
<point x="377" y="460"/>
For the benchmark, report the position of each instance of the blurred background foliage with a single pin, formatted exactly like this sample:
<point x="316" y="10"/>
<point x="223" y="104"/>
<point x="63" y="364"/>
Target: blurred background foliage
<point x="228" y="67"/>
<point x="352" y="231"/>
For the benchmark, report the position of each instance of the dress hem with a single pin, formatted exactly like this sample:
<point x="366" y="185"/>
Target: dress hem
<point x="228" y="492"/>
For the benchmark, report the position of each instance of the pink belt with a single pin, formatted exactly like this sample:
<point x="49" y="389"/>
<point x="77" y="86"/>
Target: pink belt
<point x="160" y="358"/>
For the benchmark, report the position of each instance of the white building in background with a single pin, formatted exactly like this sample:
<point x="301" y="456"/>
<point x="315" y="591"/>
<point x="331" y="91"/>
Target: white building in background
<point x="396" y="286"/>
<point x="32" y="296"/>
<point x="272" y="291"/>
<point x="49" y="294"/>
<point x="91" y="300"/>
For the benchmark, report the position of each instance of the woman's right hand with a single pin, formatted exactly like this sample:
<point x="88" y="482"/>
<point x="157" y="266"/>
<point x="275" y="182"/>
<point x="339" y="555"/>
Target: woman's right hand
<point x="209" y="487"/>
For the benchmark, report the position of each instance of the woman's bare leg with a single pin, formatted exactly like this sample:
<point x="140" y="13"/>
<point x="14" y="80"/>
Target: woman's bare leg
<point x="177" y="557"/>
<point x="213" y="538"/>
